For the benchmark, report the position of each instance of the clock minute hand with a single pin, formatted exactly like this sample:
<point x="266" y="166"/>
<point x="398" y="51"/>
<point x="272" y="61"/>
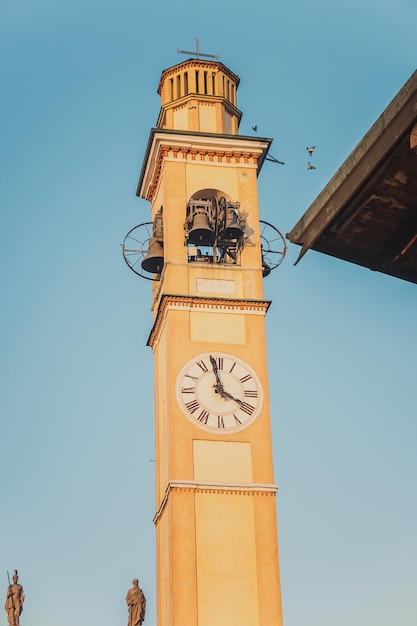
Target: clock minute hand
<point x="219" y="385"/>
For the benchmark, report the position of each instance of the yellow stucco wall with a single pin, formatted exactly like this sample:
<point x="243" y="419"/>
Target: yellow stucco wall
<point x="226" y="560"/>
<point x="222" y="461"/>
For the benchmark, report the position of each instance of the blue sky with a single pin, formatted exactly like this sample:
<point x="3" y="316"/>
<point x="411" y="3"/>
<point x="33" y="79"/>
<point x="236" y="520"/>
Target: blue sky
<point x="79" y="97"/>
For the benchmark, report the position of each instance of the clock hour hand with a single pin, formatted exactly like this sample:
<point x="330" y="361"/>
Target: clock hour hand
<point x="219" y="385"/>
<point x="228" y="395"/>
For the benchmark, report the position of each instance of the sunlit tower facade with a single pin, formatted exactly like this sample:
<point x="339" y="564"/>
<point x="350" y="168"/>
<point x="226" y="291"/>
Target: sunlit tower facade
<point x="215" y="519"/>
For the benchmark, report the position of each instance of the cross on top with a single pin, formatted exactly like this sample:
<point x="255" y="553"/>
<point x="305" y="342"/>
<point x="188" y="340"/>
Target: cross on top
<point x="197" y="52"/>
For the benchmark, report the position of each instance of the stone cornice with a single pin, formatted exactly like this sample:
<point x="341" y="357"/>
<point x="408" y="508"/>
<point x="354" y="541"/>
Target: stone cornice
<point x="190" y="147"/>
<point x="197" y="303"/>
<point x="242" y="489"/>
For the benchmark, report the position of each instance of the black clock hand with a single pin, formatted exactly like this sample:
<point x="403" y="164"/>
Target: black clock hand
<point x="219" y="385"/>
<point x="226" y="394"/>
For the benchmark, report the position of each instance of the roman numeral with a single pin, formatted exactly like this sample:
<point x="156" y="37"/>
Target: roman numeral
<point x="237" y="420"/>
<point x="187" y="389"/>
<point x="193" y="406"/>
<point x="233" y="367"/>
<point x="248" y="393"/>
<point x="247" y="408"/>
<point x="203" y="417"/>
<point x="220" y="421"/>
<point x="245" y="378"/>
<point x="202" y="365"/>
<point x="194" y="378"/>
<point x="219" y="361"/>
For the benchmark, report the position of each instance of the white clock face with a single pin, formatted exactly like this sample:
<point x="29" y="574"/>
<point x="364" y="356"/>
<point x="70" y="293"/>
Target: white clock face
<point x="219" y="392"/>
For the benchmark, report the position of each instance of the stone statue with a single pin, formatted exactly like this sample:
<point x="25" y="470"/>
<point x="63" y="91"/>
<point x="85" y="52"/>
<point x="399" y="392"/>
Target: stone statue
<point x="14" y="601"/>
<point x="136" y="603"/>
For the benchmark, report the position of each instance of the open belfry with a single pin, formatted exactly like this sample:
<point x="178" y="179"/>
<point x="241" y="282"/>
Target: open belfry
<point x="207" y="256"/>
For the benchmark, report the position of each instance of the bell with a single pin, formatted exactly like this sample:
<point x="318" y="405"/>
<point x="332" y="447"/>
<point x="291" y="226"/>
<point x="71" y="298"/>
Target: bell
<point x="232" y="229"/>
<point x="154" y="260"/>
<point x="201" y="233"/>
<point x="266" y="269"/>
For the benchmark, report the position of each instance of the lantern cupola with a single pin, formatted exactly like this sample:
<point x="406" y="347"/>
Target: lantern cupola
<point x="199" y="96"/>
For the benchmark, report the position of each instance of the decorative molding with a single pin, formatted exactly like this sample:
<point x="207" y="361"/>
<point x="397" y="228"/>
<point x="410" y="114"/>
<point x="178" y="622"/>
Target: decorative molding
<point x="199" y="303"/>
<point x="195" y="148"/>
<point x="168" y="152"/>
<point x="200" y="63"/>
<point x="240" y="489"/>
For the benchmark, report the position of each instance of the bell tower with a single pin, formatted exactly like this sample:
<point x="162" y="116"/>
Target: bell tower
<point x="207" y="255"/>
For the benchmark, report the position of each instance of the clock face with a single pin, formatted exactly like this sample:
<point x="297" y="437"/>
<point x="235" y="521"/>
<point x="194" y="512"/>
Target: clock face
<point x="219" y="392"/>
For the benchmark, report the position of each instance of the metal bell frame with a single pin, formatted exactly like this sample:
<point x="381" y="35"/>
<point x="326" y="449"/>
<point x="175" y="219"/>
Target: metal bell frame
<point x="214" y="223"/>
<point x="142" y="247"/>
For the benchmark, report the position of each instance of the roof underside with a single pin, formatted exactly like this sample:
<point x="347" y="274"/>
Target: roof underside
<point x="367" y="214"/>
